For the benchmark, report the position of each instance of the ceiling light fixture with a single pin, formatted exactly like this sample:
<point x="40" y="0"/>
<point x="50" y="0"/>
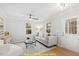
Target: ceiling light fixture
<point x="62" y="5"/>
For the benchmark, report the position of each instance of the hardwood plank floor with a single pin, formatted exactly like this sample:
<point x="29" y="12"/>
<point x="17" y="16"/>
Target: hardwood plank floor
<point x="62" y="52"/>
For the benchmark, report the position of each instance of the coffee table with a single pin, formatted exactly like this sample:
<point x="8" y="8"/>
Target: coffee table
<point x="30" y="42"/>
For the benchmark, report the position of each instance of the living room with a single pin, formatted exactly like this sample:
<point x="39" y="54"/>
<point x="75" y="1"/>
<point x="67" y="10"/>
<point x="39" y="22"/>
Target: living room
<point x="49" y="25"/>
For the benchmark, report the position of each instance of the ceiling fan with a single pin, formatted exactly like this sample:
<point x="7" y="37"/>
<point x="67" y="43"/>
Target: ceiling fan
<point x="33" y="17"/>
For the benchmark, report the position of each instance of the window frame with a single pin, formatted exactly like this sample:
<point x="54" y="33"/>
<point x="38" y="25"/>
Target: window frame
<point x="69" y="25"/>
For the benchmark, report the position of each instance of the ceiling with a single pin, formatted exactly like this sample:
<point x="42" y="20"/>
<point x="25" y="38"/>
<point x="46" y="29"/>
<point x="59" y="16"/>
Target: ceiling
<point x="22" y="10"/>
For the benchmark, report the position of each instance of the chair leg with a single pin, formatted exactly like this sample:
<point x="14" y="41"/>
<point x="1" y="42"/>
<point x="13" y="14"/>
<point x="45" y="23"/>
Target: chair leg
<point x="26" y="46"/>
<point x="35" y="43"/>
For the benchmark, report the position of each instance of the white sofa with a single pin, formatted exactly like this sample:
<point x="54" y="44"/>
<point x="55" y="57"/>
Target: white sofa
<point x="47" y="40"/>
<point x="52" y="40"/>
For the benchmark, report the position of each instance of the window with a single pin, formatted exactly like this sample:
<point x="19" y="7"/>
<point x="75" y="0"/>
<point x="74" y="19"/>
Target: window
<point x="71" y="26"/>
<point x="28" y="28"/>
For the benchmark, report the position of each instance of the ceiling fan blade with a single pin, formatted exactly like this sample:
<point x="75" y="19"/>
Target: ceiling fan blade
<point x="35" y="18"/>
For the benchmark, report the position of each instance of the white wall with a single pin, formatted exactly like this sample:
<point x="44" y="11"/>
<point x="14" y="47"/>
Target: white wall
<point x="16" y="25"/>
<point x="69" y="41"/>
<point x="16" y="14"/>
<point x="17" y="28"/>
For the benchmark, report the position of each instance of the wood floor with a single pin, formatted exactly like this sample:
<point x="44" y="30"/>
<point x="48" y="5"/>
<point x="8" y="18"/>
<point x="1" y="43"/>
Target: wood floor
<point x="62" y="52"/>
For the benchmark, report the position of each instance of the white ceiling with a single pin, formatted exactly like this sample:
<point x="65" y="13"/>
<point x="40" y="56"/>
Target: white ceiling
<point x="22" y="10"/>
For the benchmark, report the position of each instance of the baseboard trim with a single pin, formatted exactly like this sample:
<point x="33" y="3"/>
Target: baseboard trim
<point x="46" y="45"/>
